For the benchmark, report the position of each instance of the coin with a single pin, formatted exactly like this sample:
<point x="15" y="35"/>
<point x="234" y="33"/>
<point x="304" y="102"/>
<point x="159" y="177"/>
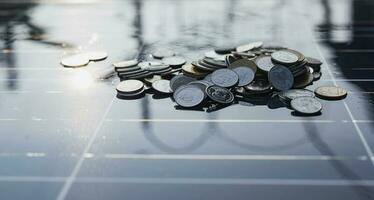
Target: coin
<point x="313" y="62"/>
<point x="225" y="78"/>
<point x="225" y="50"/>
<point x="215" y="63"/>
<point x="295" y="93"/>
<point x="152" y="79"/>
<point x="174" y="61"/>
<point x="156" y="68"/>
<point x="127" y="69"/>
<point x="306" y="105"/>
<point x="188" y="96"/>
<point x="246" y="75"/>
<point x="230" y="59"/>
<point x="146" y="64"/>
<point x="194" y="71"/>
<point x="97" y="55"/>
<point x="317" y="76"/>
<point x="264" y="63"/>
<point x="258" y="86"/>
<point x="330" y="92"/>
<point x="162" y="86"/>
<point x="180" y="80"/>
<point x="130" y="86"/>
<point x="303" y="80"/>
<point x="244" y="48"/>
<point x="213" y="55"/>
<point x="281" y="77"/>
<point x="244" y="62"/>
<point x="284" y="57"/>
<point x="132" y="73"/>
<point x="162" y="53"/>
<point x="201" y="84"/>
<point x="220" y="94"/>
<point x="202" y="67"/>
<point x="126" y="63"/>
<point x="77" y="60"/>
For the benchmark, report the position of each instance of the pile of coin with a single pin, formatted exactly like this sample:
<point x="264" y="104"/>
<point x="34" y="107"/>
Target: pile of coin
<point x="230" y="74"/>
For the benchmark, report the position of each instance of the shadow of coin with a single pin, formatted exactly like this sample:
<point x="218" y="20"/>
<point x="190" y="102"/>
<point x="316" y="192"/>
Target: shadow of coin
<point x="275" y="102"/>
<point x="139" y="96"/>
<point x="297" y="114"/>
<point x="217" y="107"/>
<point x="196" y="108"/>
<point x="160" y="95"/>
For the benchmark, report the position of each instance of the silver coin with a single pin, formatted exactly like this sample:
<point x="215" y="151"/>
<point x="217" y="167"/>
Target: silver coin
<point x="331" y="92"/>
<point x="220" y="94"/>
<point x="152" y="79"/>
<point x="225" y="78"/>
<point x="188" y="96"/>
<point x="246" y="75"/>
<point x="215" y="56"/>
<point x="264" y="63"/>
<point x="281" y="77"/>
<point x="180" y="80"/>
<point x="284" y="57"/>
<point x="295" y="93"/>
<point x="174" y="61"/>
<point x="77" y="60"/>
<point x="306" y="105"/>
<point x="126" y="63"/>
<point x="130" y="86"/>
<point x="146" y="64"/>
<point x="97" y="55"/>
<point x="163" y="53"/>
<point x="162" y="86"/>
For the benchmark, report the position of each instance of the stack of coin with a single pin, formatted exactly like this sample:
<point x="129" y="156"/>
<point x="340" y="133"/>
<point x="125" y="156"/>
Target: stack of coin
<point x="130" y="88"/>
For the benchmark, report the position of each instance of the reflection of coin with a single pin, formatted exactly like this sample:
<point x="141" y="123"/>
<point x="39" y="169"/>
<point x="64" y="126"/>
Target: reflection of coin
<point x="331" y="92"/>
<point x="306" y="105"/>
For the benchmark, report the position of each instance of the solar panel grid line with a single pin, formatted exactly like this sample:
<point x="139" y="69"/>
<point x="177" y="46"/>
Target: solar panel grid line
<point x="196" y="181"/>
<point x="358" y="130"/>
